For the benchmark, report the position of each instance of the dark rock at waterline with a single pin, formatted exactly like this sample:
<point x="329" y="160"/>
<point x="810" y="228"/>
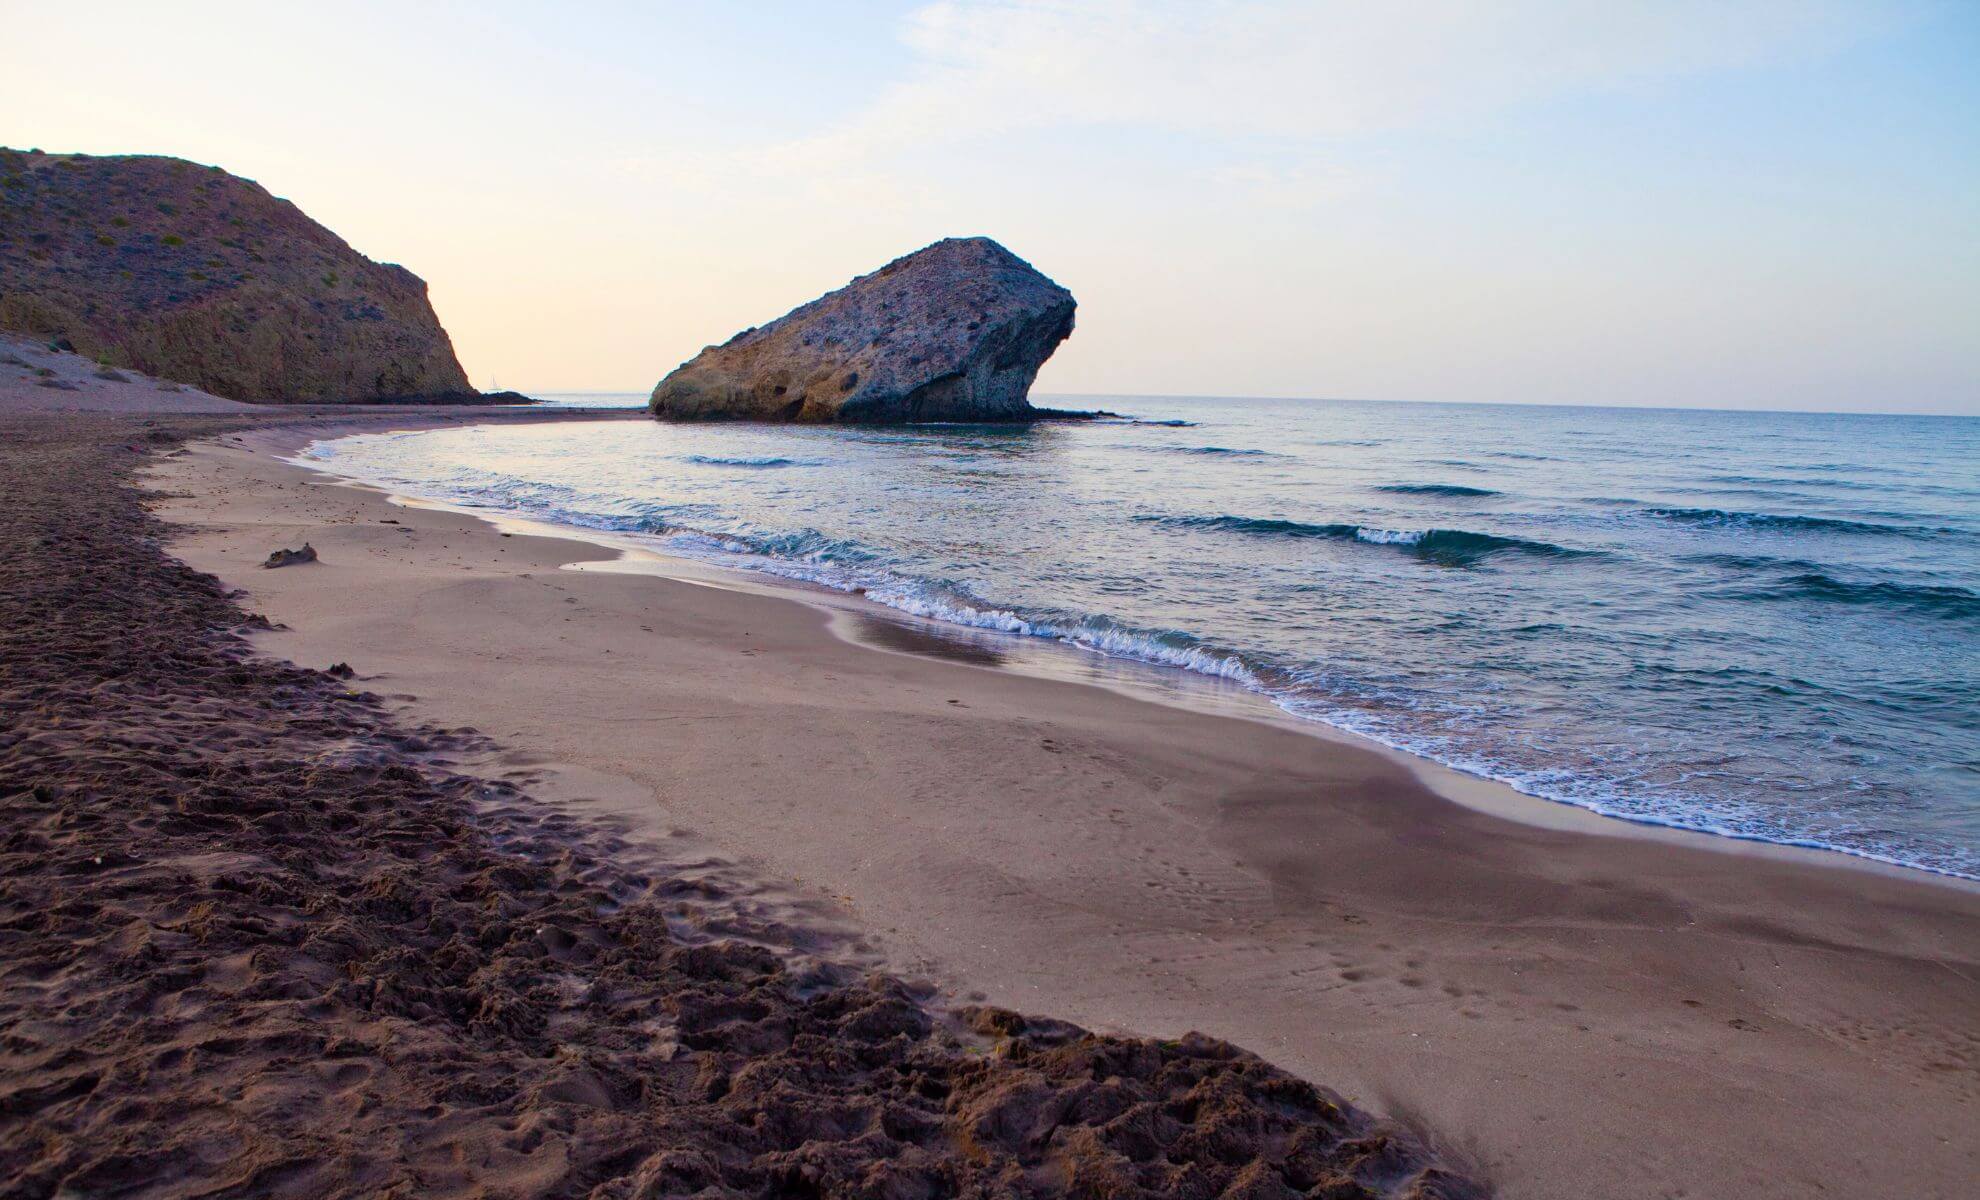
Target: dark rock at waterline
<point x="953" y="332"/>
<point x="289" y="558"/>
<point x="470" y="397"/>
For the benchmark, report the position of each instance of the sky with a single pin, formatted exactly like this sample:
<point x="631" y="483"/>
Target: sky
<point x="1728" y="203"/>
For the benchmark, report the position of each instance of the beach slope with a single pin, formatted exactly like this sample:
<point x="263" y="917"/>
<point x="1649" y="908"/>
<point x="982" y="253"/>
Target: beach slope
<point x="1600" y="1010"/>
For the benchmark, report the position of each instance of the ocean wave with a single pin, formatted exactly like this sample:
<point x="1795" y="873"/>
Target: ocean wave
<point x="750" y="460"/>
<point x="803" y="546"/>
<point x="1449" y="547"/>
<point x="1751" y="562"/>
<point x="1461" y="547"/>
<point x="1789" y="522"/>
<point x="1939" y="600"/>
<point x="1434" y="489"/>
<point x="1096" y="634"/>
<point x="1801" y="579"/>
<point x="1166" y="651"/>
<point x="1262" y="526"/>
<point x="1793" y="481"/>
<point x="1220" y="450"/>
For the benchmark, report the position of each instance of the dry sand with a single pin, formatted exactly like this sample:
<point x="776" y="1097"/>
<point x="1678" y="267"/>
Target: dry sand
<point x="35" y="378"/>
<point x="1599" y="1014"/>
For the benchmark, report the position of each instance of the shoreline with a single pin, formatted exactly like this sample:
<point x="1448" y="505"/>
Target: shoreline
<point x="1063" y="848"/>
<point x="1153" y="681"/>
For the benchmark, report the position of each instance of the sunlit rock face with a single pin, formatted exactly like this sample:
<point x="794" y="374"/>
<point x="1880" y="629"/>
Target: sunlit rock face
<point x="953" y="332"/>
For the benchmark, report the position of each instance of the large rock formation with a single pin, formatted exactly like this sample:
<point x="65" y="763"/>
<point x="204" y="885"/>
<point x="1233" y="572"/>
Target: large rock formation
<point x="953" y="332"/>
<point x="189" y="273"/>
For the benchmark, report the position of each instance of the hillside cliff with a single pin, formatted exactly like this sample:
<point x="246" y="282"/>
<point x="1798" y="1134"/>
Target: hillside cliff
<point x="189" y="273"/>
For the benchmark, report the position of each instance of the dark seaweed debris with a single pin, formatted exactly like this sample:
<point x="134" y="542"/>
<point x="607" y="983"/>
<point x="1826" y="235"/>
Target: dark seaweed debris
<point x="258" y="943"/>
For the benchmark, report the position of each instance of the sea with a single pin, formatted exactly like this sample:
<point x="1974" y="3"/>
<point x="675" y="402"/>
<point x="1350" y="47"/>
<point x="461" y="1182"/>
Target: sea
<point x="1757" y="625"/>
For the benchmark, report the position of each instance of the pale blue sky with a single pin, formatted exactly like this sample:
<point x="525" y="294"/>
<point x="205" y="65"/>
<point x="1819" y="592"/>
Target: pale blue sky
<point x="1771" y="203"/>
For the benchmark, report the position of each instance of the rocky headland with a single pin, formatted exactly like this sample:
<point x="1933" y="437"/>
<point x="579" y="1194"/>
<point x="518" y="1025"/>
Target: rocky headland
<point x="955" y="331"/>
<point x="187" y="273"/>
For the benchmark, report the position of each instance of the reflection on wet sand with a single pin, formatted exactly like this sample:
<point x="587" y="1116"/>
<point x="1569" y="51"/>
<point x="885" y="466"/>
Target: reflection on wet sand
<point x="959" y="646"/>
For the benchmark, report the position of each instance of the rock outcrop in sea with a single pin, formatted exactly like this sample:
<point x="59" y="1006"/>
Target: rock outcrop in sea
<point x="953" y="332"/>
<point x="188" y="273"/>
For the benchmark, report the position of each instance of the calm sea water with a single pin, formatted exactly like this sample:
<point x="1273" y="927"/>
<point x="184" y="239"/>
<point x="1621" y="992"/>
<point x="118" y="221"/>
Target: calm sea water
<point x="1760" y="625"/>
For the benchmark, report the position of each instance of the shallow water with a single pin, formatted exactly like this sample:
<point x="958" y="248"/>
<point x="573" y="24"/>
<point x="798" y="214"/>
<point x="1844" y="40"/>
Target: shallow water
<point x="1756" y="624"/>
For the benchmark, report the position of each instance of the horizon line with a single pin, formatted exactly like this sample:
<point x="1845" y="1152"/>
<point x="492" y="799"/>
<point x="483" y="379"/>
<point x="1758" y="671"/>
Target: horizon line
<point x="1673" y="408"/>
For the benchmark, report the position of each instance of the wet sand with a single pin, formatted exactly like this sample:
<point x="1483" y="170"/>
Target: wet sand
<point x="1595" y="1013"/>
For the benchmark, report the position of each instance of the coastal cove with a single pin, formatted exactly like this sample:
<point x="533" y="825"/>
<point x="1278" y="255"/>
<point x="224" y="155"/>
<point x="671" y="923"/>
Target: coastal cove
<point x="1589" y="1012"/>
<point x="1093" y="600"/>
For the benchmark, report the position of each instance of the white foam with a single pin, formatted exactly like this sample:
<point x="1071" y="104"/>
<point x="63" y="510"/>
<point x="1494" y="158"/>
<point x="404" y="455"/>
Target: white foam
<point x="1391" y="537"/>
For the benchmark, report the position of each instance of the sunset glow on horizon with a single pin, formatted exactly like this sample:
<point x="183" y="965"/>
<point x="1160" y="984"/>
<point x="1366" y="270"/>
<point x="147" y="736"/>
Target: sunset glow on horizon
<point x="1755" y="205"/>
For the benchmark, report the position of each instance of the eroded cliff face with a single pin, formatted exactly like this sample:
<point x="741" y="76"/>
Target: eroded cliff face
<point x="189" y="273"/>
<point x="953" y="332"/>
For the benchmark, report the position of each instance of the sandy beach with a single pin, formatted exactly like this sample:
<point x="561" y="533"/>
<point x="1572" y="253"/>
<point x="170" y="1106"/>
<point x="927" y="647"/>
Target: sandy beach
<point x="270" y="933"/>
<point x="1579" y="1007"/>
